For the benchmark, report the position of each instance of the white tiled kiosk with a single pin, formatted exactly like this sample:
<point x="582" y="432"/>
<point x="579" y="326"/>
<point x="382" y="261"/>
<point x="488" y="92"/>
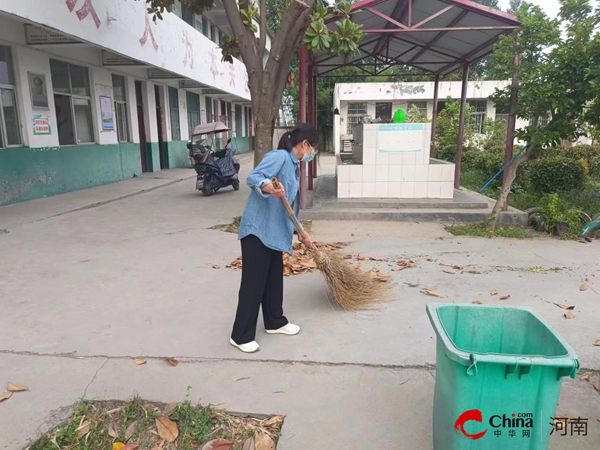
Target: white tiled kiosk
<point x="392" y="161"/>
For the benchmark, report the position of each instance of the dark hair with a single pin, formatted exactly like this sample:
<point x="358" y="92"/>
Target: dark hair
<point x="303" y="132"/>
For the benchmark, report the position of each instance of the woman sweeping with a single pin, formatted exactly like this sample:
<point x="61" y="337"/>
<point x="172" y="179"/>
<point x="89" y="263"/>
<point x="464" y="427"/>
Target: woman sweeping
<point x="266" y="231"/>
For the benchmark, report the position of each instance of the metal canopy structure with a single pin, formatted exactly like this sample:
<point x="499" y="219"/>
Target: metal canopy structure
<point x="435" y="36"/>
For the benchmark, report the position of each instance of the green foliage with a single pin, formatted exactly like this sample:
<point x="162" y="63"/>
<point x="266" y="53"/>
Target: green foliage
<point x="158" y="7"/>
<point x="556" y="174"/>
<point x="344" y="40"/>
<point x="554" y="210"/>
<point x="448" y="122"/>
<point x="230" y="48"/>
<point x="249" y="14"/>
<point x="480" y="230"/>
<point x="416" y="115"/>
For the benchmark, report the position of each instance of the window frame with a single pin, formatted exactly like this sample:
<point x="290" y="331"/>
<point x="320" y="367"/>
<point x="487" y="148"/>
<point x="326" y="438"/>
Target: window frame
<point x="190" y="111"/>
<point x="378" y="104"/>
<point x="10" y="87"/>
<point x="174" y="108"/>
<point x="121" y="104"/>
<point x="354" y="115"/>
<point x="72" y="103"/>
<point x="478" y="117"/>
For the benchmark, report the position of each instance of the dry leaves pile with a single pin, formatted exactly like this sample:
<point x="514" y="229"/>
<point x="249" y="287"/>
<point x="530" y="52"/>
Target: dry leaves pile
<point x="10" y="390"/>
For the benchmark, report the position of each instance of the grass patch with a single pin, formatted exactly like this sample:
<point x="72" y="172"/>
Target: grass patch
<point x="99" y="425"/>
<point x="479" y="229"/>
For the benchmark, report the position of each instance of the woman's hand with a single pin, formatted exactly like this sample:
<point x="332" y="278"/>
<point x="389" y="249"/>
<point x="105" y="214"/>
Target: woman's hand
<point x="305" y="239"/>
<point x="277" y="193"/>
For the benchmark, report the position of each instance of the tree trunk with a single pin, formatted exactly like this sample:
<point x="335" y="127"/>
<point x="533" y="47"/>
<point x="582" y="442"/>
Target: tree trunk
<point x="511" y="174"/>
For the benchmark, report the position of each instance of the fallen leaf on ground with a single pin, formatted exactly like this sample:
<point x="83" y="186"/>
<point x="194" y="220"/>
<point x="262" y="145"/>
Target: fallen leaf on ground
<point x="5" y="396"/>
<point x="477" y="302"/>
<point x="563" y="306"/>
<point x="130" y="430"/>
<point x="113" y="431"/>
<point x="273" y="422"/>
<point x="139" y="361"/>
<point x="450" y="272"/>
<point x="218" y="444"/>
<point x="130" y="447"/>
<point x="16" y="387"/>
<point x="345" y="257"/>
<point x="432" y="288"/>
<point x="243" y="378"/>
<point x="83" y="429"/>
<point x="360" y="258"/>
<point x="569" y="315"/>
<point x="583" y="287"/>
<point x="262" y="441"/>
<point x="170" y="408"/>
<point x="249" y="444"/>
<point x="458" y="267"/>
<point x="432" y="293"/>
<point x="430" y="259"/>
<point x="494" y="292"/>
<point x="595" y="381"/>
<point x="118" y="446"/>
<point x="505" y="297"/>
<point x="382" y="278"/>
<point x="167" y="429"/>
<point x="216" y="266"/>
<point x="413" y="285"/>
<point x="597" y="343"/>
<point x="173" y="362"/>
<point x="586" y="376"/>
<point x="398" y="269"/>
<point x="473" y="272"/>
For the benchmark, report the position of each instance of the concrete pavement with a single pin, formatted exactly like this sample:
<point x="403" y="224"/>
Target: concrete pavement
<point x="83" y="290"/>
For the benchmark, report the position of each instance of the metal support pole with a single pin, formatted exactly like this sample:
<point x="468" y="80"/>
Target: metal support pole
<point x="436" y="92"/>
<point x="461" y="126"/>
<point x="315" y="123"/>
<point x="512" y="121"/>
<point x="311" y="110"/>
<point x="302" y="118"/>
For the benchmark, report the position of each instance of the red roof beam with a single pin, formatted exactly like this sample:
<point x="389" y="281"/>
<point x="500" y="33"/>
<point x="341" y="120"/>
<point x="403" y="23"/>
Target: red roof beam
<point x="486" y="11"/>
<point x="435" y="30"/>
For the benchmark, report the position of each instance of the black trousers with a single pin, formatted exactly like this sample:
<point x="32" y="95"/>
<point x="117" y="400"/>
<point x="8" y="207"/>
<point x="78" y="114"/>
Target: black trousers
<point x="262" y="284"/>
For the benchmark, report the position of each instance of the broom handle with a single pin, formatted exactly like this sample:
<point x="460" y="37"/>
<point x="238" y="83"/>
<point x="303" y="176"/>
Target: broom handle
<point x="289" y="210"/>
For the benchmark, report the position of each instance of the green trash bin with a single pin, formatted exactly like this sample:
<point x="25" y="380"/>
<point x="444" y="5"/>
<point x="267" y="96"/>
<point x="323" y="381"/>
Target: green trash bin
<point x="499" y="373"/>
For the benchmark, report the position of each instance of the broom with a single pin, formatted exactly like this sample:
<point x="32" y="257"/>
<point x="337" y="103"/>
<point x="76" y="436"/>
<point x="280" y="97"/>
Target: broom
<point x="352" y="289"/>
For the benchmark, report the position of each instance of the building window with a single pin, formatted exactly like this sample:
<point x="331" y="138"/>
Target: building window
<point x="72" y="102"/>
<point x="174" y="114"/>
<point x="239" y="123"/>
<point x="214" y="34"/>
<point x="209" y="110"/>
<point x="501" y="114"/>
<point x="10" y="130"/>
<point x="229" y="115"/>
<point x="120" y="96"/>
<point x="541" y="121"/>
<point x="383" y="111"/>
<point x="188" y="15"/>
<point x="193" y="108"/>
<point x="421" y="106"/>
<point x="356" y="111"/>
<point x="479" y="114"/>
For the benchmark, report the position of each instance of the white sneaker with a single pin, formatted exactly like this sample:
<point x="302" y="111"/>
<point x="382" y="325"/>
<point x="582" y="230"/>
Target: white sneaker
<point x="290" y="329"/>
<point x="250" y="347"/>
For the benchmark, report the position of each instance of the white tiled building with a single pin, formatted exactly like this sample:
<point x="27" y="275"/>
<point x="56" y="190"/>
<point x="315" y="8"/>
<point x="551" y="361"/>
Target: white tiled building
<point x="94" y="91"/>
<point x="381" y="100"/>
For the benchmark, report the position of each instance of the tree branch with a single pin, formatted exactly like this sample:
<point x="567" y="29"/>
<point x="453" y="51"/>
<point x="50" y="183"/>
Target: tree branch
<point x="263" y="26"/>
<point x="244" y="36"/>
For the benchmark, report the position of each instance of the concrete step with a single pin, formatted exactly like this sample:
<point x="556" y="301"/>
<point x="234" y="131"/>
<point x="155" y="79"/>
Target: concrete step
<point x="412" y="215"/>
<point x="399" y="204"/>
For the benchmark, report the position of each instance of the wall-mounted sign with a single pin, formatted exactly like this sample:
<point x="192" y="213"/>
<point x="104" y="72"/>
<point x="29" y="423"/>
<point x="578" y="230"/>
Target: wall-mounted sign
<point x="106" y="112"/>
<point x="162" y="75"/>
<point x="110" y="59"/>
<point x="41" y="125"/>
<point x="190" y="84"/>
<point x="39" y="36"/>
<point x="401" y="138"/>
<point x="38" y="91"/>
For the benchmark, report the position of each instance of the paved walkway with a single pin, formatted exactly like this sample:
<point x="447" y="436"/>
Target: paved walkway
<point x="83" y="290"/>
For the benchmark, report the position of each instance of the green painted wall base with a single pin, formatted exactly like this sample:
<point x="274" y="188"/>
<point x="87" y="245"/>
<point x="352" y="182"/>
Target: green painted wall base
<point x="29" y="173"/>
<point x="177" y="154"/>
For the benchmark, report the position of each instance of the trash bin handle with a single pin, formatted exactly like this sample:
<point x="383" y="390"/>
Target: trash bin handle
<point x="472" y="369"/>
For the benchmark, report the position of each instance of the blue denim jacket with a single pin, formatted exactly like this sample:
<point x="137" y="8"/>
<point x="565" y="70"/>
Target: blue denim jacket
<point x="265" y="216"/>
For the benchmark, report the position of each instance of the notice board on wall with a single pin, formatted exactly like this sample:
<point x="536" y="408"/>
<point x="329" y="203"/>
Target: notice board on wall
<point x="401" y="138"/>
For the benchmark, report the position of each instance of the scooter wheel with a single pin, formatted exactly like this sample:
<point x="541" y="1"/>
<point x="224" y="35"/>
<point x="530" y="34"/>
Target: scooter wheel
<point x="206" y="188"/>
<point x="235" y="184"/>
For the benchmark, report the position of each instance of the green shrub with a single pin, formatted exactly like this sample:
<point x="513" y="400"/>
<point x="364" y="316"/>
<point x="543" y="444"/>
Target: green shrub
<point x="554" y="210"/>
<point x="556" y="174"/>
<point x="589" y="153"/>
